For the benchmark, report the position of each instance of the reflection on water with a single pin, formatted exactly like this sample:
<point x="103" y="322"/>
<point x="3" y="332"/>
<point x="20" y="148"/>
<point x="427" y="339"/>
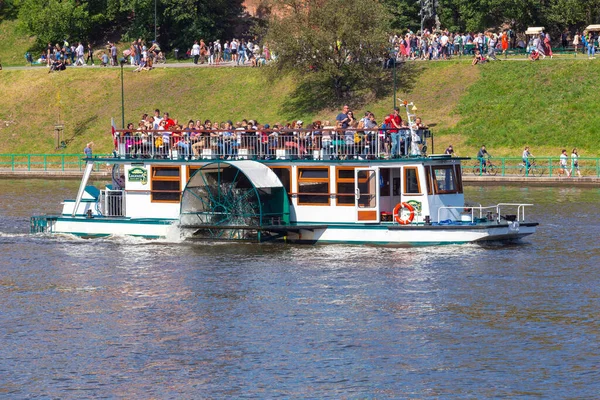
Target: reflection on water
<point x="131" y="318"/>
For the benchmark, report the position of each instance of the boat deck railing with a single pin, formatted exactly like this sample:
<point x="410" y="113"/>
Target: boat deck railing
<point x="309" y="144"/>
<point x="488" y="212"/>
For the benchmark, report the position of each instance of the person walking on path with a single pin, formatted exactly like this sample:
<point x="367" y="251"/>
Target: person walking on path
<point x="196" y="52"/>
<point x="563" y="163"/>
<point x="575" y="163"/>
<point x="88" y="150"/>
<point x="576" y="42"/>
<point x="90" y="54"/>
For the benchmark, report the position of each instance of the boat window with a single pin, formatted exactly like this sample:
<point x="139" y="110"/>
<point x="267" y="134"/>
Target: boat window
<point x="411" y="181"/>
<point x="384" y="177"/>
<point x="345" y="186"/>
<point x="166" y="184"/>
<point x="428" y="179"/>
<point x="285" y="176"/>
<point x="459" y="183"/>
<point x="166" y="171"/>
<point x="444" y="179"/>
<point x="313" y="186"/>
<point x="310" y="173"/>
<point x="345" y="173"/>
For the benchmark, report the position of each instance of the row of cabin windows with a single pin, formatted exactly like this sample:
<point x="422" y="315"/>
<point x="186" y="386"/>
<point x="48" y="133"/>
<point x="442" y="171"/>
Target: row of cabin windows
<point x="313" y="183"/>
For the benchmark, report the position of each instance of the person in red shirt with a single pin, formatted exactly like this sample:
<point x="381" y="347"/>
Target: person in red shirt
<point x="395" y="123"/>
<point x="168" y="121"/>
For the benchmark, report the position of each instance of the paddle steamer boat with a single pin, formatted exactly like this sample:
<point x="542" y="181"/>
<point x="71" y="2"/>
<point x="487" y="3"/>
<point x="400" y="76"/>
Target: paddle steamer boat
<point x="304" y="187"/>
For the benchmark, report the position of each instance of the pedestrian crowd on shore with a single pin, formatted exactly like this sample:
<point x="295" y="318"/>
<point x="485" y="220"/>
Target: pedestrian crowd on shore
<point x="434" y="44"/>
<point x="443" y="44"/>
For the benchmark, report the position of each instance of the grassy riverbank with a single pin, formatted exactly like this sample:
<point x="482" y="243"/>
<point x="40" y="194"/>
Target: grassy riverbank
<point x="548" y="105"/>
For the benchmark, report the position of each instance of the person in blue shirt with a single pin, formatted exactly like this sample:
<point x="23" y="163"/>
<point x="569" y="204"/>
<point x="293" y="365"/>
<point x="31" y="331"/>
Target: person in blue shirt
<point x="88" y="150"/>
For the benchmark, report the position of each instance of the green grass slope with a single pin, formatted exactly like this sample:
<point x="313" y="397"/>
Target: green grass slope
<point x="548" y="105"/>
<point x="13" y="44"/>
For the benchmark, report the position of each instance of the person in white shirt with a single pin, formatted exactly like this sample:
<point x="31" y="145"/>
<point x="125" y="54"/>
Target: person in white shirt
<point x="79" y="51"/>
<point x="196" y="52"/>
<point x="563" y="163"/>
<point x="444" y="44"/>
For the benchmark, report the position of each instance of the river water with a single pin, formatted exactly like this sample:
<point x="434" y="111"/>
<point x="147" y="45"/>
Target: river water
<point x="129" y="318"/>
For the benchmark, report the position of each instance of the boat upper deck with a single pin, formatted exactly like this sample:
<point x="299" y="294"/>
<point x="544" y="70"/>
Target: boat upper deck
<point x="349" y="145"/>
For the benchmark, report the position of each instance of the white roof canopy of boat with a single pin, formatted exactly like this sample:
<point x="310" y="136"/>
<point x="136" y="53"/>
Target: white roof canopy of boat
<point x="593" y="28"/>
<point x="534" y="30"/>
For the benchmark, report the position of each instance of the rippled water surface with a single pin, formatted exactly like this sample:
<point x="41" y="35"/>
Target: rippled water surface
<point x="129" y="318"/>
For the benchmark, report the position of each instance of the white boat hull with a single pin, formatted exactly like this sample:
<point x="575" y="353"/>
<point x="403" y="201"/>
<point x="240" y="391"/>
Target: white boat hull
<point x="414" y="236"/>
<point x="99" y="227"/>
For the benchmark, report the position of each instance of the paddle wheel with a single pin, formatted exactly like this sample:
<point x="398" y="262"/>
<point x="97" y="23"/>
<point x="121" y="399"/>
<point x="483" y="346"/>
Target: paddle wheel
<point x="233" y="201"/>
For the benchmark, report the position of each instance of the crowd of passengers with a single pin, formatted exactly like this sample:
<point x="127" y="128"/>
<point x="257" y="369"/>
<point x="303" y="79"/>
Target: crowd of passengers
<point x="159" y="135"/>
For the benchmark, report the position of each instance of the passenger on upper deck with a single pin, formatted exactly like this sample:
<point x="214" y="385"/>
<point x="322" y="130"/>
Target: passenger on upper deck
<point x="395" y="124"/>
<point x="343" y="117"/>
<point x="449" y="151"/>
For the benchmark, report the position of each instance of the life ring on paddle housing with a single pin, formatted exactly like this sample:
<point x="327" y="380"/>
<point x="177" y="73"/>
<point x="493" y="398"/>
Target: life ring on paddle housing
<point x="411" y="216"/>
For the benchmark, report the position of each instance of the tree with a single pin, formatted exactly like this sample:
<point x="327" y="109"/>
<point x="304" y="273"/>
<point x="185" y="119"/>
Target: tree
<point x="55" y="20"/>
<point x="335" y="45"/>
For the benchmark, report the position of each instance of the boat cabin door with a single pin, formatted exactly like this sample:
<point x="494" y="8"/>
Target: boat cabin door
<point x="366" y="191"/>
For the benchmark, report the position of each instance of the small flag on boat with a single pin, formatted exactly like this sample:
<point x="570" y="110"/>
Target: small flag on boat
<point x="114" y="132"/>
<point x="113" y="128"/>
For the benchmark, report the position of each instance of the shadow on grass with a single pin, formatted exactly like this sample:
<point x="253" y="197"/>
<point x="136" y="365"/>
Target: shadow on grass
<point x="315" y="93"/>
<point x="80" y="128"/>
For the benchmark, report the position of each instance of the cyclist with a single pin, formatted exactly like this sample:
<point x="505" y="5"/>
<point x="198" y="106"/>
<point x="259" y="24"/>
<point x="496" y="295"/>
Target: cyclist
<point x="482" y="156"/>
<point x="526" y="155"/>
<point x="154" y="50"/>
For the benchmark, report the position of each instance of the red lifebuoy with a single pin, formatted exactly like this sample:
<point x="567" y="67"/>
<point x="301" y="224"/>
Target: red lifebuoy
<point x="404" y="221"/>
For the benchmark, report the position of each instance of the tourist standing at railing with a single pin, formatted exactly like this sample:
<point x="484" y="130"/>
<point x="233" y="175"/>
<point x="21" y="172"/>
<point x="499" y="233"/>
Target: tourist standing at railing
<point x="395" y="125"/>
<point x="157" y="119"/>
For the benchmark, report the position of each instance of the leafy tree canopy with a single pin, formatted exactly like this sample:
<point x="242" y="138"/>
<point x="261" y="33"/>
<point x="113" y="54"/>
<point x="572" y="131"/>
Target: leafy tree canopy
<point x="337" y="45"/>
<point x="179" y="22"/>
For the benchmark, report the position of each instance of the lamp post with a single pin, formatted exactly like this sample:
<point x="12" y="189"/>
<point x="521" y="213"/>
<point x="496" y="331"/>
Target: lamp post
<point x="122" y="62"/>
<point x="394" y="61"/>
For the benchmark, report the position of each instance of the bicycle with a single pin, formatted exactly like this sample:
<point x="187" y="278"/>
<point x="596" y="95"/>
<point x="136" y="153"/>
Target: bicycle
<point x="534" y="169"/>
<point x="488" y="168"/>
<point x="160" y="58"/>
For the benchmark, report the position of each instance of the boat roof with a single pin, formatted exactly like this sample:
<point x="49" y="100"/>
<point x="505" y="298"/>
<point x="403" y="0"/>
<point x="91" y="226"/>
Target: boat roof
<point x="593" y="28"/>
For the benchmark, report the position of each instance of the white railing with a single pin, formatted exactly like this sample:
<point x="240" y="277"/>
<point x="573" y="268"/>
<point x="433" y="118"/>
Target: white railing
<point x="313" y="144"/>
<point x="491" y="212"/>
<point x="112" y="203"/>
